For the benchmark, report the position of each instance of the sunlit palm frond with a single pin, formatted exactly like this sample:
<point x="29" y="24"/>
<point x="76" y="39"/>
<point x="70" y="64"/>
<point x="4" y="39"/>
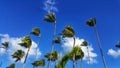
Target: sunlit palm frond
<point x="50" y="18"/>
<point x="36" y="31"/>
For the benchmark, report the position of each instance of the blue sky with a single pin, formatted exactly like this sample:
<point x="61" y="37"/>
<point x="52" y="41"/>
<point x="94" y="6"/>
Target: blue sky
<point x="18" y="17"/>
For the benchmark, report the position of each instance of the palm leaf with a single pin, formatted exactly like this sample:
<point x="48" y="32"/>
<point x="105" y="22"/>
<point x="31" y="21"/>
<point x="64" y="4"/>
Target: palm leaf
<point x="91" y="22"/>
<point x="57" y="40"/>
<point x="11" y="66"/>
<point x="5" y="44"/>
<point x="36" y="31"/>
<point x="50" y="18"/>
<point x="84" y="43"/>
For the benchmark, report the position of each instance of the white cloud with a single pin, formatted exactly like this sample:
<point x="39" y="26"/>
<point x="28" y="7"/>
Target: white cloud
<point x="68" y="44"/>
<point x="114" y="53"/>
<point x="13" y="46"/>
<point x="50" y="6"/>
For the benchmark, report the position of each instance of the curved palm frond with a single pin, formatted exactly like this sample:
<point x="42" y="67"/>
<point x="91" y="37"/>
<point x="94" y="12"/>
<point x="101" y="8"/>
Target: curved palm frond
<point x="118" y="45"/>
<point x="62" y="63"/>
<point x="91" y="22"/>
<point x="26" y="42"/>
<point x="84" y="43"/>
<point x="36" y="31"/>
<point x="50" y="18"/>
<point x="57" y="40"/>
<point x="68" y="32"/>
<point x="5" y="44"/>
<point x="18" y="55"/>
<point x="11" y="66"/>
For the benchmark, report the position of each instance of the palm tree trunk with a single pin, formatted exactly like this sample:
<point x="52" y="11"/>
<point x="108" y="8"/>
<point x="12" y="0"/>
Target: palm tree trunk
<point x="100" y="47"/>
<point x="26" y="58"/>
<point x="74" y="54"/>
<point x="76" y="63"/>
<point x="89" y="57"/>
<point x="49" y="64"/>
<point x="81" y="63"/>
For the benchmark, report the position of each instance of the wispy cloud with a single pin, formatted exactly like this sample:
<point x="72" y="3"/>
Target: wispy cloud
<point x="13" y="46"/>
<point x="114" y="53"/>
<point x="49" y="6"/>
<point x="68" y="44"/>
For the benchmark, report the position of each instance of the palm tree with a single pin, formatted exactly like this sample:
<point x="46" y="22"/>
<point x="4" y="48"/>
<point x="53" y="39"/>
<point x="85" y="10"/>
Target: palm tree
<point x="77" y="51"/>
<point x="27" y="43"/>
<point x="118" y="45"/>
<point x="5" y="46"/>
<point x="36" y="32"/>
<point x="51" y="18"/>
<point x="18" y="55"/>
<point x="52" y="57"/>
<point x="92" y="23"/>
<point x="62" y="63"/>
<point x="11" y="66"/>
<point x="85" y="43"/>
<point x="69" y="32"/>
<point x="39" y="63"/>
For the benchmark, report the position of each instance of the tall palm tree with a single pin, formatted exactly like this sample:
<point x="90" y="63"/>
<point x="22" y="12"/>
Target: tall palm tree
<point x="69" y="32"/>
<point x="11" y="66"/>
<point x="51" y="18"/>
<point x="27" y="43"/>
<point x="118" y="45"/>
<point x="18" y="55"/>
<point x="92" y="23"/>
<point x="62" y="63"/>
<point x="36" y="32"/>
<point x="85" y="43"/>
<point x="52" y="57"/>
<point x="5" y="46"/>
<point x="77" y="51"/>
<point x="39" y="63"/>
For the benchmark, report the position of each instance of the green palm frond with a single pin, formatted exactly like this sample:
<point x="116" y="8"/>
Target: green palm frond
<point x="18" y="55"/>
<point x="26" y="42"/>
<point x="84" y="43"/>
<point x="36" y="63"/>
<point x="5" y="44"/>
<point x="57" y="40"/>
<point x="36" y="31"/>
<point x="91" y="22"/>
<point x="54" y="56"/>
<point x="50" y="18"/>
<point x="68" y="32"/>
<point x="77" y="51"/>
<point x="11" y="66"/>
<point x="42" y="62"/>
<point x="62" y="63"/>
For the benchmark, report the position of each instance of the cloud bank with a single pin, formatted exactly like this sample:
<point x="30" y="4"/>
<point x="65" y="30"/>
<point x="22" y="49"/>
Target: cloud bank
<point x="13" y="46"/>
<point x="49" y="6"/>
<point x="68" y="44"/>
<point x="114" y="53"/>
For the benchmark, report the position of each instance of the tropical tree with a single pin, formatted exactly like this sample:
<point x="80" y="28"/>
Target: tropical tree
<point x="39" y="63"/>
<point x="77" y="51"/>
<point x="51" y="18"/>
<point x="69" y="32"/>
<point x="5" y="46"/>
<point x="52" y="57"/>
<point x="36" y="32"/>
<point x="18" y="55"/>
<point x="85" y="43"/>
<point x="92" y="23"/>
<point x="62" y="63"/>
<point x="27" y="43"/>
<point x="11" y="66"/>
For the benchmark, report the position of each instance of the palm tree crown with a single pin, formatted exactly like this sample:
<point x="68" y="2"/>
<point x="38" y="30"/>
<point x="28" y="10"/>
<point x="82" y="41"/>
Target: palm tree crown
<point x="91" y="22"/>
<point x="36" y="31"/>
<point x="11" y="66"/>
<point x="50" y="18"/>
<point x="18" y="55"/>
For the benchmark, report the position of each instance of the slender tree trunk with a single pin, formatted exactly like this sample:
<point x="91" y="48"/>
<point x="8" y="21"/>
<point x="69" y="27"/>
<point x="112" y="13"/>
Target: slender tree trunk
<point x="74" y="54"/>
<point x="49" y="64"/>
<point x="89" y="57"/>
<point x="76" y="63"/>
<point x="100" y="47"/>
<point x="81" y="63"/>
<point x="26" y="58"/>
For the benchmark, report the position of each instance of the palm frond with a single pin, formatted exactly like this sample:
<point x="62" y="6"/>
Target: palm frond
<point x="11" y="66"/>
<point x="36" y="32"/>
<point x="91" y="22"/>
<point x="50" y="18"/>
